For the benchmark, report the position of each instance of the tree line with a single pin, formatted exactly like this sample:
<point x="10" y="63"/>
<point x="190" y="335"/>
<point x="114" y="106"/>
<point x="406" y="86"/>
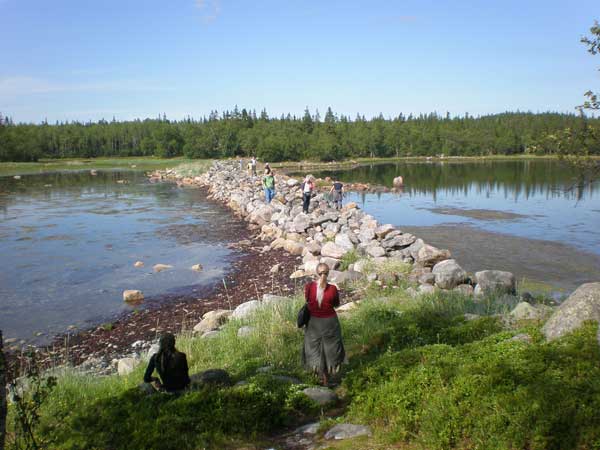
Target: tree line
<point x="246" y="133"/>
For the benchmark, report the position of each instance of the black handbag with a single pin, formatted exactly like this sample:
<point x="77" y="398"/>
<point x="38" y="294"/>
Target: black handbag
<point x="303" y="316"/>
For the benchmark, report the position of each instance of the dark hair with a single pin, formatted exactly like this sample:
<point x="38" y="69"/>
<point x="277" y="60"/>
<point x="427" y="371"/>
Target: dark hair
<point x="166" y="350"/>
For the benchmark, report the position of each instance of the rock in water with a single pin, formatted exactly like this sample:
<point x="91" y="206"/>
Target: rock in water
<point x="161" y="267"/>
<point x="582" y="305"/>
<point x="131" y="295"/>
<point x="197" y="267"/>
<point x="138" y="264"/>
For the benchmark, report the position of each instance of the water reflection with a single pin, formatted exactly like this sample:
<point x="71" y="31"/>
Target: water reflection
<point x="69" y="240"/>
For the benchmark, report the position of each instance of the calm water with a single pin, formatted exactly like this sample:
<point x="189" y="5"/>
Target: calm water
<point x="493" y="214"/>
<point x="68" y="243"/>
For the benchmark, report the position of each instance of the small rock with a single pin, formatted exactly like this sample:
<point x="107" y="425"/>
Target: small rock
<point x="211" y="376"/>
<point x="131" y="295"/>
<point x="347" y="431"/>
<point x="274" y="269"/>
<point x="464" y="289"/>
<point x="448" y="274"/>
<point x="138" y="264"/>
<point x="523" y="337"/>
<point x="197" y="268"/>
<point x="320" y="395"/>
<point x="494" y="282"/>
<point x="525" y="311"/>
<point x="161" y="267"/>
<point x="333" y="250"/>
<point x="310" y="428"/>
<point x="298" y="274"/>
<point x="245" y="309"/>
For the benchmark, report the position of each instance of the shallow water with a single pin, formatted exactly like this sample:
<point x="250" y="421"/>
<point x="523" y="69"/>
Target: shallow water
<point x="487" y="204"/>
<point x="68" y="242"/>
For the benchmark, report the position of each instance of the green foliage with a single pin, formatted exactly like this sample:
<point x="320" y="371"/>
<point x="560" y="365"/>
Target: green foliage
<point x="289" y="138"/>
<point x="490" y="394"/>
<point x="349" y="258"/>
<point x="28" y="395"/>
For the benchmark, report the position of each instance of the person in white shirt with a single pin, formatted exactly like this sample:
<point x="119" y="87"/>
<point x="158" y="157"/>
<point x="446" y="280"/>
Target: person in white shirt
<point x="308" y="186"/>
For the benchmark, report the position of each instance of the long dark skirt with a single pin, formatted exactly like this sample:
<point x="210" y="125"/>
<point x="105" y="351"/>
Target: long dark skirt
<point x="323" y="351"/>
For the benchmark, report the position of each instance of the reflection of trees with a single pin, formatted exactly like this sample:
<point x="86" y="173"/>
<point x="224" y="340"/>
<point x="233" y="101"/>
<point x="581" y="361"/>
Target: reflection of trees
<point x="515" y="179"/>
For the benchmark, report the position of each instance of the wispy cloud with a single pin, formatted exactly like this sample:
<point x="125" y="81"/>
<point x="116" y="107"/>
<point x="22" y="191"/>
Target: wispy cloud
<point x="209" y="9"/>
<point x="25" y="85"/>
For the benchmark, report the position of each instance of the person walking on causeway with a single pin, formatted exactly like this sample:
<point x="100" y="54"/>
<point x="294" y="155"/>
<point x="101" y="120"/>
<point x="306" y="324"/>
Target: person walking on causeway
<point x="323" y="350"/>
<point x="171" y="365"/>
<point x="308" y="187"/>
<point x="337" y="192"/>
<point x="269" y="185"/>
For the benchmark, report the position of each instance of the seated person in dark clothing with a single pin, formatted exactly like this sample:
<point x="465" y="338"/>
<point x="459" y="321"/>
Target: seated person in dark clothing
<point x="171" y="366"/>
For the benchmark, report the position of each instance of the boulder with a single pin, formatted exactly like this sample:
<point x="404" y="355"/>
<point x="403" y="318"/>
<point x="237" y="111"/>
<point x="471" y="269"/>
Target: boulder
<point x="402" y="240"/>
<point x="333" y="250"/>
<point x="320" y="395"/>
<point x="291" y="182"/>
<point x="261" y="215"/>
<point x="310" y="267"/>
<point x="197" y="268"/>
<point x="362" y="265"/>
<point x="301" y="223"/>
<point x="347" y="431"/>
<point x="293" y="247"/>
<point x="448" y="274"/>
<point x="382" y="231"/>
<point x="349" y="206"/>
<point x="332" y="263"/>
<point x="212" y="320"/>
<point x="344" y="241"/>
<point x="298" y="274"/>
<point x="375" y="251"/>
<point x="494" y="281"/>
<point x="245" y="309"/>
<point x="582" y="305"/>
<point x="429" y="256"/>
<point x="138" y="264"/>
<point x="127" y="365"/>
<point x="313" y="248"/>
<point x="426" y="289"/>
<point x="464" y="289"/>
<point x="525" y="311"/>
<point x="161" y="267"/>
<point x="427" y="278"/>
<point x="398" y="182"/>
<point x="211" y="376"/>
<point x="366" y="235"/>
<point x="132" y="295"/>
<point x="413" y="249"/>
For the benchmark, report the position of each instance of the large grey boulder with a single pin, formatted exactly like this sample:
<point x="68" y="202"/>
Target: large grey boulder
<point x="526" y="311"/>
<point x="494" y="282"/>
<point x="375" y="251"/>
<point x="333" y="250"/>
<point x="448" y="274"/>
<point x="293" y="247"/>
<point x="245" y="309"/>
<point x="320" y="395"/>
<point x="262" y="215"/>
<point x="582" y="305"/>
<point x="344" y="277"/>
<point x="383" y="230"/>
<point x="347" y="431"/>
<point x="366" y="235"/>
<point x="301" y="223"/>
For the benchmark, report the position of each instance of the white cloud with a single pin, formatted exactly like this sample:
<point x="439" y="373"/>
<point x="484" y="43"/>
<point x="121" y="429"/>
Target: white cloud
<point x="25" y="85"/>
<point x="210" y="10"/>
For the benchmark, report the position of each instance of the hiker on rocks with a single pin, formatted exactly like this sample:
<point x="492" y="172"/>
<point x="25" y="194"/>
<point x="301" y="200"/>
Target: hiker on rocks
<point x="269" y="185"/>
<point x="308" y="187"/>
<point x="253" y="165"/>
<point x="337" y="193"/>
<point x="241" y="164"/>
<point x="323" y="350"/>
<point x="249" y="168"/>
<point x="171" y="365"/>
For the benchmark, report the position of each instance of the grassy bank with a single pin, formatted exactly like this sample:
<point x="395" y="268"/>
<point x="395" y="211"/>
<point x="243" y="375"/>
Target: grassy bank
<point x="60" y="165"/>
<point x="419" y="373"/>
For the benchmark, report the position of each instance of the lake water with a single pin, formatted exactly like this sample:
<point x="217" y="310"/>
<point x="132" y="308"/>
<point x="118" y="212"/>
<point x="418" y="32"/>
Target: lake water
<point x="69" y="241"/>
<point x="523" y="216"/>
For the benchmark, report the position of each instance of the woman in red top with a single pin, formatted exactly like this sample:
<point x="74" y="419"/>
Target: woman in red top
<point x="323" y="351"/>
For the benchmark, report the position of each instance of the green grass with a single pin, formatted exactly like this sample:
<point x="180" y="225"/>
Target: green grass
<point x="419" y="373"/>
<point x="60" y="165"/>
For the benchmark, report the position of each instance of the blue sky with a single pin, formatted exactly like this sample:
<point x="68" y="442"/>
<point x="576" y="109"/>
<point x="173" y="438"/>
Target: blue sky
<point x="86" y="60"/>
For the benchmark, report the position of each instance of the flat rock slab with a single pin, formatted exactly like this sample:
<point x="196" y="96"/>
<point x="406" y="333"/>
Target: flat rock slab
<point x="347" y="431"/>
<point x="211" y="376"/>
<point x="320" y="395"/>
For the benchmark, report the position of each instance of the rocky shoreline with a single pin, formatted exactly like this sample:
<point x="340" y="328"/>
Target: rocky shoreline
<point x="279" y="246"/>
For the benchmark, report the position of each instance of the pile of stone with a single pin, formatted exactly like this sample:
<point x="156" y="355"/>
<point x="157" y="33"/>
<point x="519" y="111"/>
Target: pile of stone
<point x="326" y="235"/>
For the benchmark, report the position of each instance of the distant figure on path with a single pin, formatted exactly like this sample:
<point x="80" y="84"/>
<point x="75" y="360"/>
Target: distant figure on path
<point x="241" y="164"/>
<point x="323" y="350"/>
<point x="171" y="365"/>
<point x="308" y="187"/>
<point x="269" y="185"/>
<point x="337" y="192"/>
<point x="253" y="165"/>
